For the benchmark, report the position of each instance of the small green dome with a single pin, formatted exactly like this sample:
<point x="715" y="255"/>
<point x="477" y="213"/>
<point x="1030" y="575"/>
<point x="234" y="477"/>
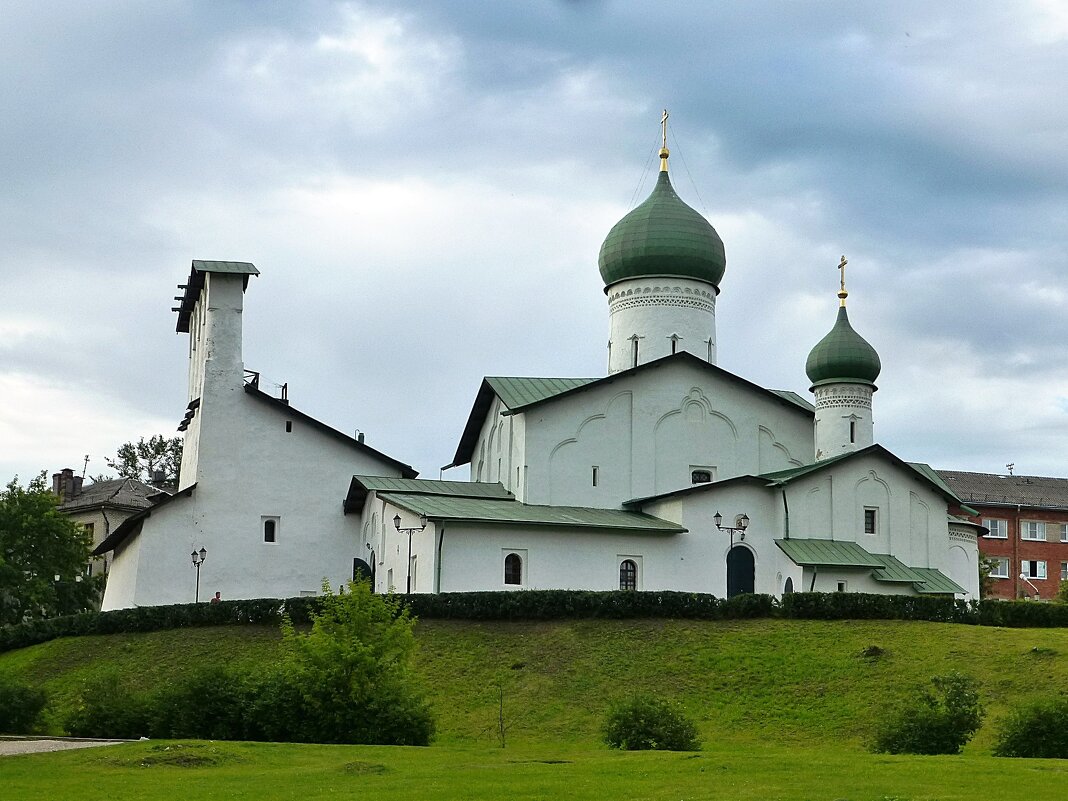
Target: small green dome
<point x="843" y="355"/>
<point x="662" y="237"/>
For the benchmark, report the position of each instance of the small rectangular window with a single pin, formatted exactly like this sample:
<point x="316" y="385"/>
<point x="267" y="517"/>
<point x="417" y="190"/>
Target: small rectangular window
<point x="595" y="476"/>
<point x="270" y="529"/>
<point x="1033" y="530"/>
<point x="842" y="586"/>
<point x="870" y="521"/>
<point x="999" y="567"/>
<point x="1064" y="532"/>
<point x="1064" y="571"/>
<point x="852" y="431"/>
<point x="289" y="426"/>
<point x="1033" y="568"/>
<point x="999" y="529"/>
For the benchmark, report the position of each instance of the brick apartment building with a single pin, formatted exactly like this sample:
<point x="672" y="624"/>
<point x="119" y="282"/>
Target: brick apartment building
<point x="1027" y="520"/>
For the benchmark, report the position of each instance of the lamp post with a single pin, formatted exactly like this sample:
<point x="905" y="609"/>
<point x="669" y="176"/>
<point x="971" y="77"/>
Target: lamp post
<point x="198" y="560"/>
<point x="743" y="524"/>
<point x="409" y="532"/>
<point x="1038" y="595"/>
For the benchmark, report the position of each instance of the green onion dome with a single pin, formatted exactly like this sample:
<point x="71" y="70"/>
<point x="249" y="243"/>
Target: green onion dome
<point x="843" y="356"/>
<point x="662" y="237"/>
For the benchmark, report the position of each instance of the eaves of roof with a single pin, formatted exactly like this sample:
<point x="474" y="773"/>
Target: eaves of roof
<point x="191" y="288"/>
<point x="361" y="486"/>
<point x="132" y="525"/>
<point x="407" y="471"/>
<point x="695" y="488"/>
<point x="511" y="512"/>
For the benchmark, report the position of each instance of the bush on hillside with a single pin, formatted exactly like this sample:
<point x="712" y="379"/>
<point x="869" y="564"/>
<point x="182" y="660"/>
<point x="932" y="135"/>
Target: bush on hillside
<point x="106" y="707"/>
<point x="20" y="706"/>
<point x="209" y="703"/>
<point x="644" y="723"/>
<point x="1039" y="730"/>
<point x="935" y="723"/>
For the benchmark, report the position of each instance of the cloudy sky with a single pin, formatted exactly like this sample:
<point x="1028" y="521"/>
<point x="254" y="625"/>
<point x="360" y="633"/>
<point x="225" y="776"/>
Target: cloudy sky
<point x="425" y="187"/>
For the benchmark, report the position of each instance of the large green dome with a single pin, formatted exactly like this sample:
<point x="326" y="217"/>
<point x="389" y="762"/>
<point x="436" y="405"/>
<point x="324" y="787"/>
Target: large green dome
<point x="843" y="356"/>
<point x="662" y="237"/>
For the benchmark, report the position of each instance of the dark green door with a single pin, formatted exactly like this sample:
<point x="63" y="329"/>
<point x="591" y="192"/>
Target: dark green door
<point x="741" y="571"/>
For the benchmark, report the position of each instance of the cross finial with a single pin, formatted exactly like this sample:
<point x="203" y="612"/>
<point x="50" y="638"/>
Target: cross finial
<point x="663" y="135"/>
<point x="842" y="294"/>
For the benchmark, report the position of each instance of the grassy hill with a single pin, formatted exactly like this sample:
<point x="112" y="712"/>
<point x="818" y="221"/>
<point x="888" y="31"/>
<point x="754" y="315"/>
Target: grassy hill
<point x="786" y="682"/>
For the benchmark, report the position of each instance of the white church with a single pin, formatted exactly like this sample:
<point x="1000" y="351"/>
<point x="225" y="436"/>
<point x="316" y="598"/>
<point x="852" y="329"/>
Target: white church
<point x="668" y="473"/>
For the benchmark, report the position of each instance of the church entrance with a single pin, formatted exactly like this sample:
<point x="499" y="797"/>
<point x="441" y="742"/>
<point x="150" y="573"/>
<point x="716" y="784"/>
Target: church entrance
<point x="741" y="571"/>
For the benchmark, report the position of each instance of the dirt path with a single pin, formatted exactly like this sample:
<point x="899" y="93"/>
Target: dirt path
<point x="13" y="747"/>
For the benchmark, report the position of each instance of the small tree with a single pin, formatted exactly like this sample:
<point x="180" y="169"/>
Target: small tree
<point x="20" y="706"/>
<point x="986" y="568"/>
<point x="1062" y="593"/>
<point x="353" y="671"/>
<point x="43" y="554"/>
<point x="1039" y="730"/>
<point x="142" y="459"/>
<point x="935" y="723"/>
<point x="644" y="723"/>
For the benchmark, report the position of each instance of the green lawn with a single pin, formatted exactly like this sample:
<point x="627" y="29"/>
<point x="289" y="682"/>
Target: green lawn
<point x="728" y="771"/>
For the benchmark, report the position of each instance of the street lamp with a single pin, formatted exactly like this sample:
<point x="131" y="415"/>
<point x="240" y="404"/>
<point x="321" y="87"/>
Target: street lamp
<point x="198" y="560"/>
<point x="409" y="532"/>
<point x="743" y="524"/>
<point x="1038" y="595"/>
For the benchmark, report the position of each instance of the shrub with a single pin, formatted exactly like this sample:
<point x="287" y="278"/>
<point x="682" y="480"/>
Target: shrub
<point x="208" y="703"/>
<point x="20" y="706"/>
<point x="1039" y="730"/>
<point x="644" y="723"/>
<point x="107" y="708"/>
<point x="935" y="723"/>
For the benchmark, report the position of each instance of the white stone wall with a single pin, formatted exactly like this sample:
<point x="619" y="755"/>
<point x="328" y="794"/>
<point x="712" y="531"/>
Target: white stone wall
<point x="654" y="311"/>
<point x="844" y="420"/>
<point x="646" y="434"/>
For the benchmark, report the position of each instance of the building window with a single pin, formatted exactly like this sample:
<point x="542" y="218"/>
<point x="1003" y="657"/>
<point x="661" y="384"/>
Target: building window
<point x="634" y="352"/>
<point x="88" y="529"/>
<point x="1033" y="530"/>
<point x="270" y="529"/>
<point x="595" y="470"/>
<point x="1064" y="571"/>
<point x="1033" y="568"/>
<point x="513" y="569"/>
<point x="870" y="521"/>
<point x="628" y="575"/>
<point x="701" y="477"/>
<point x="999" y="566"/>
<point x="852" y="431"/>
<point x="999" y="529"/>
<point x="289" y="426"/>
<point x="842" y="586"/>
<point x="1064" y="532"/>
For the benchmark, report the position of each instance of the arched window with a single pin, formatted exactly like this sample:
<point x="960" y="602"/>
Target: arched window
<point x="788" y="587"/>
<point x="700" y="476"/>
<point x="513" y="569"/>
<point x="628" y="575"/>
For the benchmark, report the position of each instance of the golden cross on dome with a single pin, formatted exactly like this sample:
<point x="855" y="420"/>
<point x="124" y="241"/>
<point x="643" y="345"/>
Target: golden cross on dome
<point x="842" y="294"/>
<point x="664" y="147"/>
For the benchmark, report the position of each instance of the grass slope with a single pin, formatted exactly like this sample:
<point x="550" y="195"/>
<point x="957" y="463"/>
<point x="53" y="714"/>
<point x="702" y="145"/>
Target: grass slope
<point x="786" y="683"/>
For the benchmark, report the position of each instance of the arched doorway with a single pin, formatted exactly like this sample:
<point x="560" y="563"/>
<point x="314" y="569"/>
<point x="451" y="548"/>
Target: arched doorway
<point x="741" y="571"/>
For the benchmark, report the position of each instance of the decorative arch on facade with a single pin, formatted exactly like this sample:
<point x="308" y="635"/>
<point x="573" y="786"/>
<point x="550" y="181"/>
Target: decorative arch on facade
<point x="773" y="455"/>
<point x="692" y="433"/>
<point x="603" y="439"/>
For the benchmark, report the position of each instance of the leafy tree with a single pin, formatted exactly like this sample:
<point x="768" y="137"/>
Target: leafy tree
<point x="1062" y="593"/>
<point x="986" y="568"/>
<point x="935" y="723"/>
<point x="644" y="723"/>
<point x="1039" y="731"/>
<point x="143" y="458"/>
<point x="43" y="554"/>
<point x="353" y="671"/>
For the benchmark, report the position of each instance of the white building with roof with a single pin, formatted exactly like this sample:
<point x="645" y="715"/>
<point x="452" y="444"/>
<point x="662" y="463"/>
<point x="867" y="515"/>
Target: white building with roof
<point x="632" y="480"/>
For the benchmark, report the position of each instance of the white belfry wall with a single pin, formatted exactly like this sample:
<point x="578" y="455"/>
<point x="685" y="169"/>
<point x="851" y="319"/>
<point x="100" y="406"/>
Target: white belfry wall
<point x="843" y="419"/>
<point x="651" y="312"/>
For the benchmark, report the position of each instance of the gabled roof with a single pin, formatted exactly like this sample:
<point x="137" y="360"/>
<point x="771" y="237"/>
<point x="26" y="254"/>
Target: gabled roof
<point x="513" y="392"/>
<point x="361" y="486"/>
<point x="119" y="493"/>
<point x="191" y="288"/>
<point x="547" y="390"/>
<point x="504" y="512"/>
<point x="407" y="471"/>
<point x="837" y="553"/>
<point x="991" y="489"/>
<point x="132" y="524"/>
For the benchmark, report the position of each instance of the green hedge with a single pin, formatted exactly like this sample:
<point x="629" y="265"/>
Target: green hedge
<point x="561" y="605"/>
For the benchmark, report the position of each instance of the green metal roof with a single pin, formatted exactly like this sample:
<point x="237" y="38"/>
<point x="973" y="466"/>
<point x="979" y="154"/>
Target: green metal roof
<point x="233" y="267"/>
<point x="895" y="570"/>
<point x="794" y="398"/>
<point x="830" y="553"/>
<point x="935" y="582"/>
<point x="842" y="355"/>
<point x="360" y="486"/>
<point x="195" y="282"/>
<point x="515" y="392"/>
<point x="485" y="510"/>
<point x="662" y="237"/>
